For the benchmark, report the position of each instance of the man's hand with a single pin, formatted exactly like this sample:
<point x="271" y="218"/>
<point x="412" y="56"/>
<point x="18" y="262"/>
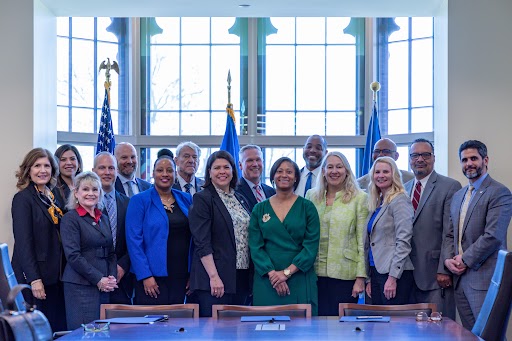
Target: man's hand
<point x="444" y="281"/>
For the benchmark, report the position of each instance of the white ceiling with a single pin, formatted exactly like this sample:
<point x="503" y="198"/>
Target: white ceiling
<point x="230" y="8"/>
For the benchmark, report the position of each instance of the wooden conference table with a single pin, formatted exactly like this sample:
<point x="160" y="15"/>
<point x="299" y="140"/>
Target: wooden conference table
<point x="316" y="328"/>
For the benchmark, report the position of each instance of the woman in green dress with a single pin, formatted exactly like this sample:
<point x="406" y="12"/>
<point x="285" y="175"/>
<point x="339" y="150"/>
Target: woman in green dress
<point x="283" y="239"/>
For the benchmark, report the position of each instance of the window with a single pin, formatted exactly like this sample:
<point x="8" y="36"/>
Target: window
<point x="82" y="44"/>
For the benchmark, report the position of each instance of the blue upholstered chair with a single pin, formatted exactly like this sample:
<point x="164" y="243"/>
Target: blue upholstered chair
<point x="491" y="324"/>
<point x="7" y="278"/>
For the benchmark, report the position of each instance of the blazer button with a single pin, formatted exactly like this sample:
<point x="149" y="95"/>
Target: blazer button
<point x="373" y="244"/>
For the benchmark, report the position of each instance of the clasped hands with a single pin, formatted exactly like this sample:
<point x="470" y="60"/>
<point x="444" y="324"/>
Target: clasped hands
<point x="456" y="265"/>
<point x="107" y="284"/>
<point x="278" y="281"/>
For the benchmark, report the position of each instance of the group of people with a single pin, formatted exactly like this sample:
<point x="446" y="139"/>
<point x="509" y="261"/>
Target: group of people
<point x="317" y="236"/>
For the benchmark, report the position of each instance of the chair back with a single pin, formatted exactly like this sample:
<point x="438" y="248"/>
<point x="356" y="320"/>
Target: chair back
<point x="188" y="310"/>
<point x="352" y="309"/>
<point x="492" y="321"/>
<point x="8" y="279"/>
<point x="293" y="310"/>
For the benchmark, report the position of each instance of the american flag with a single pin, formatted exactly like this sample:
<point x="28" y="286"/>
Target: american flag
<point x="106" y="140"/>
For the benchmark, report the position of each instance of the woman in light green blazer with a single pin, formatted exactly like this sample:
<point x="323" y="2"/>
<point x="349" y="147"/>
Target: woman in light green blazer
<point x="343" y="210"/>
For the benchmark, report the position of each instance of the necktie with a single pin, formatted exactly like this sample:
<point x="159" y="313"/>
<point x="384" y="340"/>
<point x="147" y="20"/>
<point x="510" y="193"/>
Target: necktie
<point x="112" y="215"/>
<point x="308" y="183"/>
<point x="259" y="195"/>
<point x="187" y="187"/>
<point x="416" y="196"/>
<point x="463" y="211"/>
<point x="130" y="188"/>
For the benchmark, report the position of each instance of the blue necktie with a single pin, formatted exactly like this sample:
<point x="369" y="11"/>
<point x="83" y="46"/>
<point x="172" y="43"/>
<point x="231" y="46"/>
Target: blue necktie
<point x="112" y="215"/>
<point x="308" y="183"/>
<point x="187" y="187"/>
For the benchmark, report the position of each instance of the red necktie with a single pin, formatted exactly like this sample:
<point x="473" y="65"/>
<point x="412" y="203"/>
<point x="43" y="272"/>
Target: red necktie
<point x="416" y="196"/>
<point x="259" y="196"/>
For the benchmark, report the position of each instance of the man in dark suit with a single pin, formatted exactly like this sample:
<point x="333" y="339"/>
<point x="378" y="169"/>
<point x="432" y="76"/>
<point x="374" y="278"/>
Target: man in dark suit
<point x="431" y="195"/>
<point x="313" y="153"/>
<point x="250" y="185"/>
<point x="187" y="161"/>
<point x="480" y="215"/>
<point x="115" y="205"/>
<point x="126" y="181"/>
<point x="384" y="147"/>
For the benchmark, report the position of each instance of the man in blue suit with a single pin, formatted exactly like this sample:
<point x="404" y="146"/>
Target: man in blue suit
<point x="313" y="153"/>
<point x="126" y="182"/>
<point x="480" y="214"/>
<point x="115" y="205"/>
<point x="250" y="185"/>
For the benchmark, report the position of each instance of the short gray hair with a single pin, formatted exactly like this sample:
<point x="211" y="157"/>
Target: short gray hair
<point x="87" y="177"/>
<point x="249" y="147"/>
<point x="96" y="158"/>
<point x="189" y="144"/>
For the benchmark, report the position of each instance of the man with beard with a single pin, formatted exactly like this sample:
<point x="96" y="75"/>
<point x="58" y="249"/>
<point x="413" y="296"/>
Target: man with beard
<point x="126" y="182"/>
<point x="313" y="152"/>
<point x="431" y="195"/>
<point x="480" y="215"/>
<point x="250" y="185"/>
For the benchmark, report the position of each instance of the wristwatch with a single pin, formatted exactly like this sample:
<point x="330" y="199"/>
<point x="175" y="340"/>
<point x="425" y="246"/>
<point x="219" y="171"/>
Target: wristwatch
<point x="287" y="273"/>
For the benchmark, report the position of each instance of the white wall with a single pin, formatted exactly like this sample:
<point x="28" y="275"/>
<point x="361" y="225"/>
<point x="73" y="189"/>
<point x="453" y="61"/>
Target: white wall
<point x="27" y="92"/>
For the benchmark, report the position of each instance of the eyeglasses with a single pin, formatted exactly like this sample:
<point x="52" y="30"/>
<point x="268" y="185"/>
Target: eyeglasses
<point x="383" y="151"/>
<point x="416" y="156"/>
<point x="96" y="327"/>
<point x="434" y="316"/>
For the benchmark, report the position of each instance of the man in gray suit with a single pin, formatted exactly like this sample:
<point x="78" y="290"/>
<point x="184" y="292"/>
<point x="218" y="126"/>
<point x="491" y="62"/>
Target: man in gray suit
<point x="384" y="147"/>
<point x="431" y="195"/>
<point x="480" y="215"/>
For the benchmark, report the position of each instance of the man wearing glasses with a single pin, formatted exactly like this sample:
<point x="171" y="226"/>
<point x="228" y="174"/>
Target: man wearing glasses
<point x="431" y="195"/>
<point x="480" y="214"/>
<point x="384" y="147"/>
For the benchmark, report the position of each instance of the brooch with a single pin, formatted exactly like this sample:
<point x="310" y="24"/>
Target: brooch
<point x="266" y="217"/>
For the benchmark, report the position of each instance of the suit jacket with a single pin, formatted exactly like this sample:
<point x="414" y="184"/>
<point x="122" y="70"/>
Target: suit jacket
<point x="199" y="183"/>
<point x="147" y="231"/>
<point x="364" y="181"/>
<point x="391" y="235"/>
<point x="346" y="231"/>
<point x="88" y="248"/>
<point x="141" y="184"/>
<point x="212" y="231"/>
<point x="37" y="248"/>
<point x="123" y="258"/>
<point x="484" y="231"/>
<point x="244" y="189"/>
<point x="431" y="222"/>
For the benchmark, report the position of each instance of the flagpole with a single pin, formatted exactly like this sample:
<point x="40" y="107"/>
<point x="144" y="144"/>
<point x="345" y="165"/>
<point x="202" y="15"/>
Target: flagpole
<point x="375" y="86"/>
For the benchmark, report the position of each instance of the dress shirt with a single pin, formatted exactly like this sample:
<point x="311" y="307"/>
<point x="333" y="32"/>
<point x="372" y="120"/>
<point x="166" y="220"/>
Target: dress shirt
<point x="182" y="183"/>
<point x="423" y="184"/>
<point x="251" y="186"/>
<point x="124" y="181"/>
<point x="304" y="177"/>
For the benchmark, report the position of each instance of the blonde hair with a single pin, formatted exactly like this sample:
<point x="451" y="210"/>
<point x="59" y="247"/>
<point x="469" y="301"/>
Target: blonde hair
<point x="349" y="187"/>
<point x="89" y="178"/>
<point x="397" y="186"/>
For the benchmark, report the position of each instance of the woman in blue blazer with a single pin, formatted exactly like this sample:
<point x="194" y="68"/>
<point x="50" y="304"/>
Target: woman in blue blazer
<point x="388" y="242"/>
<point x="158" y="238"/>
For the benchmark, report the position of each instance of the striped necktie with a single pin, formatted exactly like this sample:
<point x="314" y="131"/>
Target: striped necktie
<point x="187" y="187"/>
<point x="112" y="215"/>
<point x="259" y="195"/>
<point x="416" y="196"/>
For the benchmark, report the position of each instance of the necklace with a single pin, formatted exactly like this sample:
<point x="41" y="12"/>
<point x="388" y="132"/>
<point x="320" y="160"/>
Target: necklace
<point x="168" y="203"/>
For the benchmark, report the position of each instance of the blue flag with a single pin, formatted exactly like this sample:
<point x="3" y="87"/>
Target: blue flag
<point x="230" y="140"/>
<point x="106" y="140"/>
<point x="372" y="136"/>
